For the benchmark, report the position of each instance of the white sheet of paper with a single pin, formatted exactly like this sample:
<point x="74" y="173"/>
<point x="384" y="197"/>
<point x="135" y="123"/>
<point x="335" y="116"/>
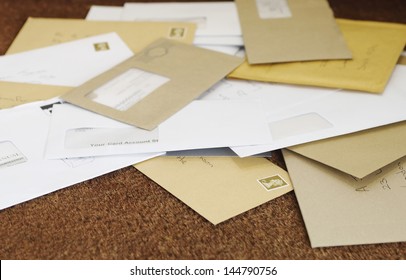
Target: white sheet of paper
<point x="299" y="115"/>
<point x="201" y="124"/>
<point x="213" y="152"/>
<point x="24" y="172"/>
<point x="217" y="22"/>
<point x="231" y="50"/>
<point x="107" y="13"/>
<point x="67" y="64"/>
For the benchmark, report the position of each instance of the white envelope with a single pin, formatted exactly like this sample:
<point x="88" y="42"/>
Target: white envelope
<point x="24" y="172"/>
<point x="108" y="13"/>
<point x="299" y="115"/>
<point x="68" y="64"/>
<point x="75" y="132"/>
<point x="217" y="22"/>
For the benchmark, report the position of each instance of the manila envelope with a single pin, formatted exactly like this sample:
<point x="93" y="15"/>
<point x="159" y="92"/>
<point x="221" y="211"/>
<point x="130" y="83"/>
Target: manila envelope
<point x="360" y="153"/>
<point x="341" y="210"/>
<point x="375" y="46"/>
<point x="290" y="30"/>
<point x="43" y="32"/>
<point x="154" y="84"/>
<point x="218" y="188"/>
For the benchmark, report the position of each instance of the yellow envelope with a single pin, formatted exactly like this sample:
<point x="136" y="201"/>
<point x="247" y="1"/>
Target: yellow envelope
<point x="375" y="47"/>
<point x="341" y="210"/>
<point x="42" y="32"/>
<point x="361" y="153"/>
<point x="286" y="31"/>
<point x="218" y="188"/>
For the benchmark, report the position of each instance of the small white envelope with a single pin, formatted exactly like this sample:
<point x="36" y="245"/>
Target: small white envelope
<point x="217" y="22"/>
<point x="24" y="172"/>
<point x="75" y="132"/>
<point x="107" y="13"/>
<point x="68" y="64"/>
<point x="299" y="115"/>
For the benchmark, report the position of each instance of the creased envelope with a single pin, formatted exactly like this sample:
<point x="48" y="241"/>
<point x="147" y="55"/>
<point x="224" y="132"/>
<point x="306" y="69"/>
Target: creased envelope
<point x="69" y="64"/>
<point x="375" y="47"/>
<point x="341" y="210"/>
<point x="148" y="88"/>
<point x="361" y="153"/>
<point x="290" y="30"/>
<point x="24" y="172"/>
<point x="298" y="115"/>
<point x="43" y="32"/>
<point x="201" y="124"/>
<point x="218" y="188"/>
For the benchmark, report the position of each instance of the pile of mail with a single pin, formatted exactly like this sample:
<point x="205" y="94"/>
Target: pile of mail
<point x="166" y="87"/>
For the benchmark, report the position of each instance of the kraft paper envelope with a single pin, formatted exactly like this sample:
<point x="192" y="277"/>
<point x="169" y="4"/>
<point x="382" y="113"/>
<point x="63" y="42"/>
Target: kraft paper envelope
<point x="43" y="32"/>
<point x="361" y="153"/>
<point x="290" y="30"/>
<point x="341" y="210"/>
<point x="24" y="172"/>
<point x="148" y="88"/>
<point x="375" y="47"/>
<point x="200" y="124"/>
<point x="218" y="188"/>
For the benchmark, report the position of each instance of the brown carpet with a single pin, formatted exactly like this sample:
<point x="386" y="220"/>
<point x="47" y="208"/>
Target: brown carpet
<point x="124" y="215"/>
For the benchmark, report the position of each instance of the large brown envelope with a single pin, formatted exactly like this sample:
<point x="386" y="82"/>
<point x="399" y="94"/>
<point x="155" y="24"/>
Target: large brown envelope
<point x="42" y="32"/>
<point x="361" y="153"/>
<point x="151" y="86"/>
<point x="375" y="47"/>
<point x="218" y="188"/>
<point x="290" y="30"/>
<point x="341" y="210"/>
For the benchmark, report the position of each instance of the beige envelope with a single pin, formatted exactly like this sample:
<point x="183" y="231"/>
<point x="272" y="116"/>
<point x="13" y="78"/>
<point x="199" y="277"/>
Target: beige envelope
<point x="290" y="30"/>
<point x="42" y="32"/>
<point x="218" y="188"/>
<point x="375" y="47"/>
<point x="340" y="210"/>
<point x="168" y="76"/>
<point x="361" y="153"/>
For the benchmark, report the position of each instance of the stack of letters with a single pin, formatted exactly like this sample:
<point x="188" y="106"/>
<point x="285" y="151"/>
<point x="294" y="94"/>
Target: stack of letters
<point x="204" y="92"/>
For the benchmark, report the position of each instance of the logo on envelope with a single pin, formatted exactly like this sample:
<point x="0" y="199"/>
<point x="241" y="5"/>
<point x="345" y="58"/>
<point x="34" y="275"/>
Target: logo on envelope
<point x="104" y="46"/>
<point x="272" y="182"/>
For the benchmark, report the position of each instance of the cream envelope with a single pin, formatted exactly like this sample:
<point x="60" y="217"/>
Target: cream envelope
<point x="332" y="114"/>
<point x="340" y="210"/>
<point x="69" y="64"/>
<point x="25" y="174"/>
<point x="148" y="88"/>
<point x="215" y="20"/>
<point x="360" y="153"/>
<point x="294" y="30"/>
<point x="218" y="188"/>
<point x="375" y="47"/>
<point x="201" y="124"/>
<point x="41" y="32"/>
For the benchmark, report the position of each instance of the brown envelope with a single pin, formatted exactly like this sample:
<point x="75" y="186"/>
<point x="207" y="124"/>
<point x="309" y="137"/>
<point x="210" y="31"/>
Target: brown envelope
<point x="42" y="32"/>
<point x="156" y="83"/>
<point x="290" y="30"/>
<point x="361" y="153"/>
<point x="340" y="210"/>
<point x="218" y="188"/>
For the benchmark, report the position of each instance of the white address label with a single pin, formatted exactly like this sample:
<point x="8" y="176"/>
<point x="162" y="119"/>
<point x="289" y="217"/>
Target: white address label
<point x="10" y="155"/>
